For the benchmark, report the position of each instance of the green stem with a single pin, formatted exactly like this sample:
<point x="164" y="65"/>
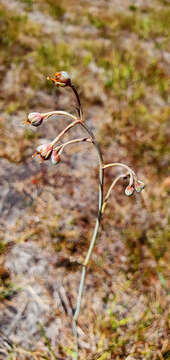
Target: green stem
<point x="110" y="190"/>
<point x="100" y="204"/>
<point x="92" y="243"/>
<point x="58" y="112"/>
<point x="131" y="172"/>
<point x="62" y="133"/>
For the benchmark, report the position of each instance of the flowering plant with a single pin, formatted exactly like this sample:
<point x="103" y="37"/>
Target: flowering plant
<point x="52" y="151"/>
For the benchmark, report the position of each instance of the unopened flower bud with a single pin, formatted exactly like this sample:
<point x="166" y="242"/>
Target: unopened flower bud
<point x="35" y="119"/>
<point x="55" y="157"/>
<point x="61" y="79"/>
<point x="129" y="190"/>
<point x="139" y="186"/>
<point x="44" y="151"/>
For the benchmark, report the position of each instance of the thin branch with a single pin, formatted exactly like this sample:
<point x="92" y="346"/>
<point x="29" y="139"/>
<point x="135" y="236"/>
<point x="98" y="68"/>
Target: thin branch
<point x="80" y="111"/>
<point x="62" y="133"/>
<point x="120" y="164"/>
<point x="62" y="146"/>
<point x="131" y="172"/>
<point x="63" y="79"/>
<point x="100" y="203"/>
<point x="92" y="243"/>
<point x="110" y="190"/>
<point x="58" y="112"/>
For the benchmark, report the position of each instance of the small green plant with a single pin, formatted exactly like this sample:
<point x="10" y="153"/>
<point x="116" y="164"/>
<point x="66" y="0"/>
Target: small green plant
<point x="54" y="151"/>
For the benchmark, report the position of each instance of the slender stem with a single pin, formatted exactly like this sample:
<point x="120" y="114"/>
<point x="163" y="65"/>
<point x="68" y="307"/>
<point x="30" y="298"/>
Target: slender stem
<point x="77" y="310"/>
<point x="62" y="146"/>
<point x="120" y="164"/>
<point x="131" y="172"/>
<point x="58" y="112"/>
<point x="62" y="133"/>
<point x="92" y="243"/>
<point x="80" y="112"/>
<point x="100" y="203"/>
<point x="111" y="188"/>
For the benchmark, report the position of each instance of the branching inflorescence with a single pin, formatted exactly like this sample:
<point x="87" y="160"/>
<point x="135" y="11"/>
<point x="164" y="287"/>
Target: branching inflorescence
<point x="53" y="151"/>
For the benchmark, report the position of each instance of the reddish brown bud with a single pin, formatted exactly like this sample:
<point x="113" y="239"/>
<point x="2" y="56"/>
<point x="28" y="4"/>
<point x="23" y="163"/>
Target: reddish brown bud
<point x="35" y="119"/>
<point x="61" y="79"/>
<point x="55" y="157"/>
<point x="44" y="151"/>
<point x="129" y="190"/>
<point x="139" y="186"/>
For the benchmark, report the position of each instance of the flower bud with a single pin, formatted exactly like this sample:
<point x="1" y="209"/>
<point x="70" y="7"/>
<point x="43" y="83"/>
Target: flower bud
<point x="129" y="190"/>
<point x="139" y="186"/>
<point x="55" y="157"/>
<point x="35" y="119"/>
<point x="44" y="151"/>
<point x="61" y="79"/>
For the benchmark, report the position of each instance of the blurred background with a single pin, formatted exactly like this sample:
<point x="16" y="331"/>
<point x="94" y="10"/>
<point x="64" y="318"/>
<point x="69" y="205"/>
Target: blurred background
<point x="117" y="54"/>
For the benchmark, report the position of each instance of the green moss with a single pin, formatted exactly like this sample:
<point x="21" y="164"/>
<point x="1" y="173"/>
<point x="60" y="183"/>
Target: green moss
<point x="12" y="107"/>
<point x="121" y="69"/>
<point x="47" y="342"/>
<point x="55" y="233"/>
<point x="147" y="23"/>
<point x="132" y="7"/>
<point x="104" y="356"/>
<point x="133" y="236"/>
<point x="29" y="4"/>
<point x="98" y="22"/>
<point x="7" y="289"/>
<point x="30" y="135"/>
<point x="163" y="283"/>
<point x="149" y="143"/>
<point x="52" y="8"/>
<point x="136" y="71"/>
<point x="17" y="36"/>
<point x="2" y="247"/>
<point x="87" y="59"/>
<point x="56" y="10"/>
<point x="166" y="355"/>
<point x="158" y="241"/>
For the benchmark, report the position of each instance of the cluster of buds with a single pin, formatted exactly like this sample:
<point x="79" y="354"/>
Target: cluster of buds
<point x="46" y="152"/>
<point x="137" y="186"/>
<point x="50" y="151"/>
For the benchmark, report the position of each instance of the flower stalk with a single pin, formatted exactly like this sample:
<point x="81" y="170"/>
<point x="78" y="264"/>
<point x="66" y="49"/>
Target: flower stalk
<point x="53" y="151"/>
